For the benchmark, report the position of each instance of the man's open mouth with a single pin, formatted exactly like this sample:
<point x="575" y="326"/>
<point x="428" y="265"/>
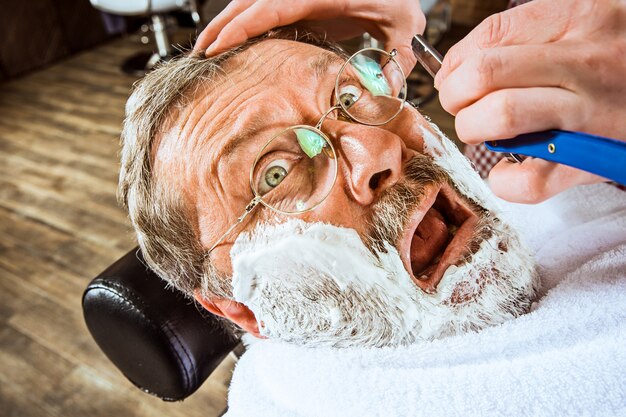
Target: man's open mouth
<point x="438" y="235"/>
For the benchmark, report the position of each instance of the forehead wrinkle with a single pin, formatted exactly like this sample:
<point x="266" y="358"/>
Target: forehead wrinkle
<point x="320" y="65"/>
<point x="234" y="77"/>
<point x="258" y="120"/>
<point x="255" y="120"/>
<point x="204" y="132"/>
<point x="255" y="124"/>
<point x="228" y="79"/>
<point x="209" y="134"/>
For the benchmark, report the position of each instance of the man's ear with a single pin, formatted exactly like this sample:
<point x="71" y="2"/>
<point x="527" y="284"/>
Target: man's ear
<point x="231" y="310"/>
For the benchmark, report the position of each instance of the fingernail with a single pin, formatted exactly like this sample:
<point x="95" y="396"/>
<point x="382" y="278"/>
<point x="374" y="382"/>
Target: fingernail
<point x="437" y="80"/>
<point x="397" y="82"/>
<point x="208" y="51"/>
<point x="212" y="48"/>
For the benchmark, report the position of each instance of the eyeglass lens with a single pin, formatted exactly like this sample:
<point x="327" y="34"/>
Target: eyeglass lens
<point x="371" y="87"/>
<point x="295" y="171"/>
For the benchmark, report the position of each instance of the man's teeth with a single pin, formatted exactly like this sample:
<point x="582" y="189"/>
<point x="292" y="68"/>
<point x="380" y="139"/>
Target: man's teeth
<point x="436" y="260"/>
<point x="452" y="230"/>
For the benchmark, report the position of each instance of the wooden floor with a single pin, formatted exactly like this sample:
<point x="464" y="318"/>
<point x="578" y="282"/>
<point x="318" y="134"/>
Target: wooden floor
<point x="60" y="226"/>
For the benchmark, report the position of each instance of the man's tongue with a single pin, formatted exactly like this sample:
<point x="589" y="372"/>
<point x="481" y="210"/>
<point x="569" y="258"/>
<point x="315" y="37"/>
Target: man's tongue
<point x="429" y="241"/>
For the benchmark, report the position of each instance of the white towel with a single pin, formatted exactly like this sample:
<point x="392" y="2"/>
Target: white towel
<point x="565" y="358"/>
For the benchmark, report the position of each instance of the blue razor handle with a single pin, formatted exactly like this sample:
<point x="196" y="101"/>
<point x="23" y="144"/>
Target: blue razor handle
<point x="596" y="154"/>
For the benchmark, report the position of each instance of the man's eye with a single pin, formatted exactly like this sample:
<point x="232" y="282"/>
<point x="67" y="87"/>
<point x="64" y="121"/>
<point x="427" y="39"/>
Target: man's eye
<point x="273" y="175"/>
<point x="348" y="95"/>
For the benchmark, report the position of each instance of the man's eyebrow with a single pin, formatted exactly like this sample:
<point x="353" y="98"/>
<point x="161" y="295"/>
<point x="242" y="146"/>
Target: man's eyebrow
<point x="253" y="126"/>
<point x="324" y="61"/>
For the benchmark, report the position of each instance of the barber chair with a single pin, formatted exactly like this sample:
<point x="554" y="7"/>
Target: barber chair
<point x="164" y="343"/>
<point x="157" y="9"/>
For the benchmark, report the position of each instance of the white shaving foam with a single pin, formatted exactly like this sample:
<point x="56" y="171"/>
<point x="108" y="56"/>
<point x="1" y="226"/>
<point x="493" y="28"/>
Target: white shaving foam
<point x="294" y="251"/>
<point x="273" y="265"/>
<point x="446" y="155"/>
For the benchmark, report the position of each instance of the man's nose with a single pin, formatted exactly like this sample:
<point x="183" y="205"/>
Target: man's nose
<point x="372" y="158"/>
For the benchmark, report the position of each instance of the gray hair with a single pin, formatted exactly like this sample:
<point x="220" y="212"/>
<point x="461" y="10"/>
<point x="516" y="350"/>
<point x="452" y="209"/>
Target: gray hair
<point x="166" y="227"/>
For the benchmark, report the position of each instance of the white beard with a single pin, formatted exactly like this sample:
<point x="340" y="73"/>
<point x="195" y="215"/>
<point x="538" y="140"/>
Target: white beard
<point x="317" y="284"/>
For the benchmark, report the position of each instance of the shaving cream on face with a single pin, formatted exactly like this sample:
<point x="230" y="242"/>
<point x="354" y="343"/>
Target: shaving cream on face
<point x="465" y="178"/>
<point x="319" y="285"/>
<point x="316" y="284"/>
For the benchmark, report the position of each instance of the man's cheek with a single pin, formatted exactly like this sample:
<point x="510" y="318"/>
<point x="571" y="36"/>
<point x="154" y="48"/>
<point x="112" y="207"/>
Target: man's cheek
<point x="220" y="258"/>
<point x="407" y="126"/>
<point x="339" y="209"/>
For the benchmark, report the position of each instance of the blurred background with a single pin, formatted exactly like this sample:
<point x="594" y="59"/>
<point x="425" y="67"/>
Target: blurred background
<point x="66" y="69"/>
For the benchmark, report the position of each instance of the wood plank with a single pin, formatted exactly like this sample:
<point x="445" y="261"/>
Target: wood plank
<point x="30" y="368"/>
<point x="13" y="403"/>
<point x="61" y="226"/>
<point x="63" y="215"/>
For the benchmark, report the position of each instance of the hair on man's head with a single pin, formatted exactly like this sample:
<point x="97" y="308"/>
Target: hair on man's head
<point x="167" y="227"/>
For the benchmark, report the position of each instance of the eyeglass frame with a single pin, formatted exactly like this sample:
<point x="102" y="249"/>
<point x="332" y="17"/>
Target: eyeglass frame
<point x="318" y="129"/>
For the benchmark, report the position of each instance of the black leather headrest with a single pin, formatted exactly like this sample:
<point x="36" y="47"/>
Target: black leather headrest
<point x="164" y="343"/>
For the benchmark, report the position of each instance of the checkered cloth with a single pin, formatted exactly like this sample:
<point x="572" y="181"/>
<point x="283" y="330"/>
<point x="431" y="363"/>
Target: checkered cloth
<point x="482" y="158"/>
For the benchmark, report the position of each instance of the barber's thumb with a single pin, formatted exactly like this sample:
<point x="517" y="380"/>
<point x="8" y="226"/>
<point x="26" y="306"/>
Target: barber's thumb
<point x="451" y="61"/>
<point x="219" y="45"/>
<point x="535" y="180"/>
<point x="230" y="36"/>
<point x="447" y="66"/>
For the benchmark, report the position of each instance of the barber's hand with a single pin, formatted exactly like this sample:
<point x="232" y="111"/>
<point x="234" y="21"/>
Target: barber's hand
<point x="548" y="64"/>
<point x="394" y="22"/>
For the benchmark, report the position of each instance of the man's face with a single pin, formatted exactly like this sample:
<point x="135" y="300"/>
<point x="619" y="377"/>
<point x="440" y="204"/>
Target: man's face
<point x="409" y="198"/>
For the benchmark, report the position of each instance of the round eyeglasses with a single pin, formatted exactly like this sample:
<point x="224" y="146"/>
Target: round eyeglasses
<point x="296" y="169"/>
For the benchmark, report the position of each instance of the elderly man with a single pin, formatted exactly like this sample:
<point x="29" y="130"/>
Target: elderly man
<point x="290" y="189"/>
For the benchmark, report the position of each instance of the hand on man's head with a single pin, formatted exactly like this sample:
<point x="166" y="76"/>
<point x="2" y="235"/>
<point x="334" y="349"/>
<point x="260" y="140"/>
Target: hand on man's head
<point x="393" y="22"/>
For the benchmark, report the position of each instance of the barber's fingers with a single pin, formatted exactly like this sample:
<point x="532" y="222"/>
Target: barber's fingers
<point x="405" y="57"/>
<point x="507" y="113"/>
<point x="500" y="68"/>
<point x="260" y="17"/>
<point x="395" y="23"/>
<point x="215" y="26"/>
<point x="536" y="22"/>
<point x="264" y="15"/>
<point x="535" y="180"/>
